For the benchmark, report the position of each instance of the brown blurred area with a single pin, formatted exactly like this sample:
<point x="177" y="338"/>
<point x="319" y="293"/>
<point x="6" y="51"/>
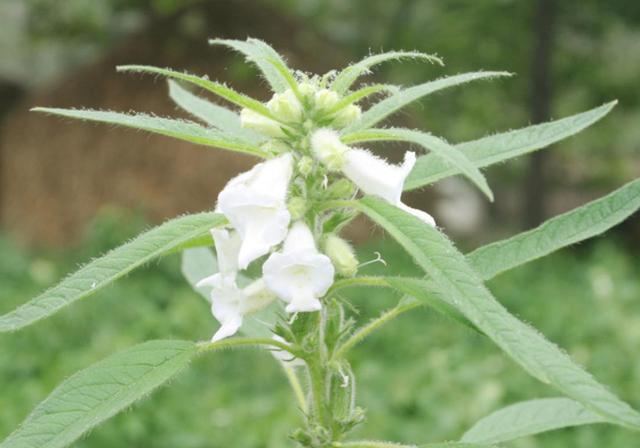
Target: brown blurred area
<point x="56" y="174"/>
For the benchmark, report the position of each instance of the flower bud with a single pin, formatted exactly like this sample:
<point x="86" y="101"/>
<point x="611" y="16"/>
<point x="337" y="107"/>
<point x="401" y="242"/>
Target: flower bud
<point x="274" y="146"/>
<point x="341" y="189"/>
<point x="253" y="120"/>
<point x="305" y="166"/>
<point x="346" y="116"/>
<point x="341" y="255"/>
<point x="297" y="207"/>
<point x="327" y="147"/>
<point x="286" y="107"/>
<point x="326" y="99"/>
<point x="342" y="391"/>
<point x="307" y="90"/>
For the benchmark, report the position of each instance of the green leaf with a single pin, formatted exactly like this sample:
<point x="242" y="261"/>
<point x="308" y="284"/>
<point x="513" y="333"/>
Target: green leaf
<point x="457" y="445"/>
<point x="500" y="147"/>
<point x="350" y="74"/>
<point x="528" y="418"/>
<point x="215" y="87"/>
<point x="389" y="105"/>
<point x="180" y="129"/>
<point x="198" y="263"/>
<point x="99" y="392"/>
<point x="438" y="146"/>
<point x="454" y="280"/>
<point x="576" y="225"/>
<point x="260" y="54"/>
<point x="101" y="272"/>
<point x="212" y="114"/>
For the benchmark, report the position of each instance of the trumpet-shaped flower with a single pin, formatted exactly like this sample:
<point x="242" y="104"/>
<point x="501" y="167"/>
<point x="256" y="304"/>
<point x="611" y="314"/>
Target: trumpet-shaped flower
<point x="229" y="304"/>
<point x="376" y="176"/>
<point x="299" y="275"/>
<point x="370" y="173"/>
<point x="254" y="202"/>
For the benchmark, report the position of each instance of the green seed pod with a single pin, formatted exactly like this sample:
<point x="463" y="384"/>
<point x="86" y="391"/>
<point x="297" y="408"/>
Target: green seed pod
<point x="341" y="254"/>
<point x="342" y="391"/>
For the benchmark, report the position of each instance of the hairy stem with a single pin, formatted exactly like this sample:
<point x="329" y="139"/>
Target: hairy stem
<point x="372" y="326"/>
<point x="294" y="381"/>
<point x="239" y="342"/>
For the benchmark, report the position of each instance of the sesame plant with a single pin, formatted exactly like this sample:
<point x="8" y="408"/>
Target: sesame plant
<point x="280" y="265"/>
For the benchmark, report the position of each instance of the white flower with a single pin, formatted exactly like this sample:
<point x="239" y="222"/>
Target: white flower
<point x="376" y="176"/>
<point x="254" y="202"/>
<point x="227" y="244"/>
<point x="257" y="122"/>
<point x="370" y="173"/>
<point x="285" y="107"/>
<point x="229" y="304"/>
<point x="299" y="275"/>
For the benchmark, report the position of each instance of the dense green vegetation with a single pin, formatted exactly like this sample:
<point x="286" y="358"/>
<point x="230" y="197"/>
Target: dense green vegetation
<point x="422" y="378"/>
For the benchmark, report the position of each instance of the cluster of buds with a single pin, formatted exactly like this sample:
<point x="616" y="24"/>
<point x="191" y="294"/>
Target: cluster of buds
<point x="274" y="210"/>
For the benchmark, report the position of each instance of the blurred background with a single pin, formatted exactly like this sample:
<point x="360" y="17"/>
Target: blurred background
<point x="70" y="190"/>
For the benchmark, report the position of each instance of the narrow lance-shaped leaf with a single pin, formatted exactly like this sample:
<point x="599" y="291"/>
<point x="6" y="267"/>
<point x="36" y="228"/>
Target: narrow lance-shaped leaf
<point x="571" y="227"/>
<point x="389" y="105"/>
<point x="180" y="129"/>
<point x="453" y="279"/>
<point x="215" y="87"/>
<point x="259" y="55"/>
<point x="212" y="114"/>
<point x="111" y="266"/>
<point x="350" y="74"/>
<point x="437" y="145"/>
<point x="98" y="392"/>
<point x="528" y="418"/>
<point x="500" y="147"/>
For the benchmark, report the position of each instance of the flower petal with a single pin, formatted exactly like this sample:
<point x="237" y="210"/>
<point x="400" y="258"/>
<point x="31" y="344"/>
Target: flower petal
<point x="424" y="216"/>
<point x="255" y="204"/>
<point x="227" y="244"/>
<point x="376" y="176"/>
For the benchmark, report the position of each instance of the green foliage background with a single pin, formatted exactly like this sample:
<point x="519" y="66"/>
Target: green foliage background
<point x="422" y="378"/>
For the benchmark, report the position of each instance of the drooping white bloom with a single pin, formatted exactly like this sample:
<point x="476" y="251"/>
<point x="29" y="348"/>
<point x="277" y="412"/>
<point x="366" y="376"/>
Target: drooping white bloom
<point x="285" y="106"/>
<point x="254" y="202"/>
<point x="299" y="275"/>
<point x="372" y="174"/>
<point x="253" y="120"/>
<point x="229" y="304"/>
<point x="376" y="176"/>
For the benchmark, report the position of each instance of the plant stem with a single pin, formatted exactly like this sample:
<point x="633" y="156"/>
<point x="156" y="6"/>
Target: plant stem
<point x="317" y="380"/>
<point x="296" y="387"/>
<point x="328" y="205"/>
<point x="357" y="281"/>
<point x="371" y="444"/>
<point x="372" y="326"/>
<point x="239" y="342"/>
